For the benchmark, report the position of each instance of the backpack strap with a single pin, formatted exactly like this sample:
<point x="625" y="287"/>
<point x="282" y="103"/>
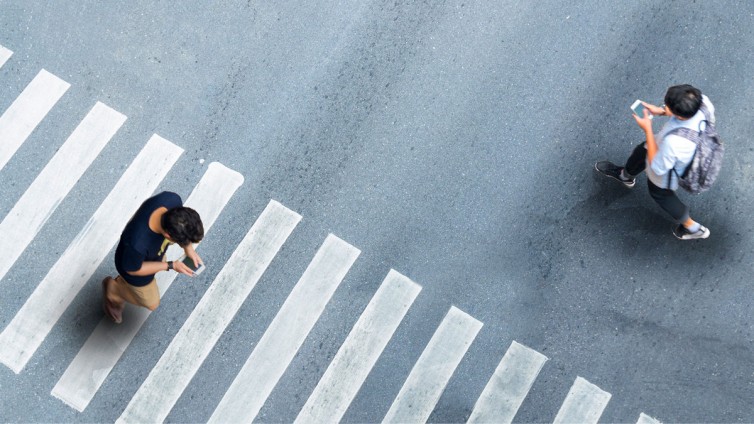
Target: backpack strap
<point x="690" y="135"/>
<point x="705" y="111"/>
<point x="707" y="118"/>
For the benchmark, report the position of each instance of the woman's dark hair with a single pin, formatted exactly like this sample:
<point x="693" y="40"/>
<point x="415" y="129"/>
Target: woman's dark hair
<point x="183" y="225"/>
<point x="683" y="100"/>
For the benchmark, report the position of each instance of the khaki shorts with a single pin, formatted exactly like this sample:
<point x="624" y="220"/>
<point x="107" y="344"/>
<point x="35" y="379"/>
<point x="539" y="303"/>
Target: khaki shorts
<point x="145" y="296"/>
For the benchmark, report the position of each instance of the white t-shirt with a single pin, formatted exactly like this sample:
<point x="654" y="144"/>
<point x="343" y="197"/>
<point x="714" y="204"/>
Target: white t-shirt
<point x="674" y="151"/>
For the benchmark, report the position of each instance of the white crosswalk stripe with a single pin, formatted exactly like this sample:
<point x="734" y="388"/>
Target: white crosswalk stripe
<point x="51" y="186"/>
<point x="27" y="111"/>
<point x="5" y="54"/>
<point x="33" y="322"/>
<point x="583" y="404"/>
<point x="109" y="341"/>
<point x="508" y="386"/>
<point x="360" y="351"/>
<point x="173" y="372"/>
<point x="646" y="419"/>
<point x="286" y="333"/>
<point x="433" y="370"/>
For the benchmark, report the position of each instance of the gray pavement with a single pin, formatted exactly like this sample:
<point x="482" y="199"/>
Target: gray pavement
<point x="451" y="141"/>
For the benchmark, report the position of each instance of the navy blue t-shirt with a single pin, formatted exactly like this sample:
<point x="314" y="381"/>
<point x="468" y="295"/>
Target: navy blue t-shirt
<point x="139" y="244"/>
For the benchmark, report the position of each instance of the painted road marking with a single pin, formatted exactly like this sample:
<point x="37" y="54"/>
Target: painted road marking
<point x="360" y="351"/>
<point x="433" y="370"/>
<point x="584" y="403"/>
<point x="33" y="322"/>
<point x="173" y="372"/>
<point x="508" y="386"/>
<point x="286" y="333"/>
<point x="109" y="341"/>
<point x="5" y="54"/>
<point x="27" y="111"/>
<point x="646" y="419"/>
<point x="55" y="181"/>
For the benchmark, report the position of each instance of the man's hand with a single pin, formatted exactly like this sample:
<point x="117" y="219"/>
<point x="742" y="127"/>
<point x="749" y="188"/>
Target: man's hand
<point x="191" y="253"/>
<point x="644" y="123"/>
<point x="654" y="110"/>
<point x="179" y="266"/>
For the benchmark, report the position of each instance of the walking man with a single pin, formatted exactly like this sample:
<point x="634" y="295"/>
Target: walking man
<point x="159" y="222"/>
<point x="665" y="156"/>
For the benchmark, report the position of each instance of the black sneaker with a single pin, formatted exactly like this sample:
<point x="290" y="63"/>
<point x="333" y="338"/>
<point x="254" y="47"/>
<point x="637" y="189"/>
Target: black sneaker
<point x="613" y="171"/>
<point x="682" y="233"/>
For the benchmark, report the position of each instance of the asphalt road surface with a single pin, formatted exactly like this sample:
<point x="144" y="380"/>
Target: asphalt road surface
<point x="452" y="142"/>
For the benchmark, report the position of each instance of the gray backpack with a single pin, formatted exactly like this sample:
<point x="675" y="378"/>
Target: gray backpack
<point x="708" y="157"/>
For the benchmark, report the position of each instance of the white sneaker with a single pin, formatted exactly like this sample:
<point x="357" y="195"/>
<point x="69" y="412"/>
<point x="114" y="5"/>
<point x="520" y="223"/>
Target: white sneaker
<point x="682" y="233"/>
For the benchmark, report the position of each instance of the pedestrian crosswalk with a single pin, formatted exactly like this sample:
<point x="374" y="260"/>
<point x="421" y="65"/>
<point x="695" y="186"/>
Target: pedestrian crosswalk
<point x="108" y="341"/>
<point x="509" y="385"/>
<point x="427" y="380"/>
<point x="44" y="195"/>
<point x="5" y="54"/>
<point x="269" y="359"/>
<point x="173" y="372"/>
<point x="31" y="325"/>
<point x="27" y="111"/>
<point x="287" y="332"/>
<point x="584" y="403"/>
<point x="359" y="353"/>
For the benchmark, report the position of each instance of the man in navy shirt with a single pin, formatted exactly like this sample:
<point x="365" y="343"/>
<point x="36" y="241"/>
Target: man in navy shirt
<point x="159" y="222"/>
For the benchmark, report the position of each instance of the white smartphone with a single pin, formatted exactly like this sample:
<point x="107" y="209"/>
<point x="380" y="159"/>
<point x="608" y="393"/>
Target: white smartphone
<point x="638" y="109"/>
<point x="190" y="263"/>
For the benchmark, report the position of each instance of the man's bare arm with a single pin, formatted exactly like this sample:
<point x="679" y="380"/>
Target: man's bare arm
<point x="646" y="124"/>
<point x="153" y="267"/>
<point x="149" y="268"/>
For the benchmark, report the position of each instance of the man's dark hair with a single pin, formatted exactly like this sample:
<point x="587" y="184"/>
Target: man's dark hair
<point x="183" y="225"/>
<point x="683" y="100"/>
